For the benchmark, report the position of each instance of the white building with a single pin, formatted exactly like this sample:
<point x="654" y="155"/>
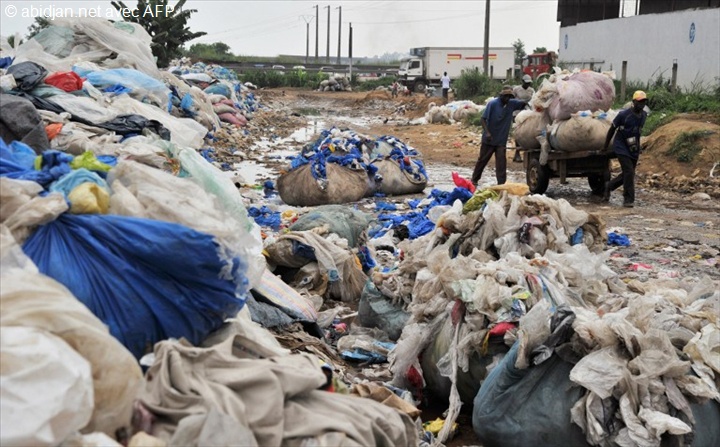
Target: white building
<point x="658" y="34"/>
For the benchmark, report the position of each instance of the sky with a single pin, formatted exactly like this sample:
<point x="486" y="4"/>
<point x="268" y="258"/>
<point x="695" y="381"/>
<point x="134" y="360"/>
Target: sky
<point x="273" y="27"/>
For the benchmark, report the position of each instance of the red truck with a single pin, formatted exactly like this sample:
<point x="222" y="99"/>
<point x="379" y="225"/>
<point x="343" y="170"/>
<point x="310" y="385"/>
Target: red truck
<point x="539" y="63"/>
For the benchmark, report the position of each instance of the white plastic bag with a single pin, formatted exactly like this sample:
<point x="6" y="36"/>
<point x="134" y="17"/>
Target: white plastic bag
<point x="46" y="389"/>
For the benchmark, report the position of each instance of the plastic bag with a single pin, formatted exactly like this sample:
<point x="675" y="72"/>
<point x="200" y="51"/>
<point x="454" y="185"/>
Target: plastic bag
<point x="89" y="198"/>
<point x="348" y="223"/>
<point x="34" y="300"/>
<point x="67" y="81"/>
<point x="141" y="85"/>
<point x="147" y="280"/>
<point x="74" y="179"/>
<point x="56" y="40"/>
<point x="27" y="74"/>
<point x="46" y="390"/>
<point x="184" y="132"/>
<point x="218" y="184"/>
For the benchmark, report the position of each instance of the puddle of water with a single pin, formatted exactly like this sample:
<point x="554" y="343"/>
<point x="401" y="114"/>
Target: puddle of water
<point x="249" y="172"/>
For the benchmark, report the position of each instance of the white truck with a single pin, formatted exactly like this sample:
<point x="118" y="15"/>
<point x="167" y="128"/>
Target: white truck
<point x="426" y="65"/>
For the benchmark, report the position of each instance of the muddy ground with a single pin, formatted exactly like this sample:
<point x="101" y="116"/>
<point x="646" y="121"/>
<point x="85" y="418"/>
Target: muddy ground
<point x="674" y="228"/>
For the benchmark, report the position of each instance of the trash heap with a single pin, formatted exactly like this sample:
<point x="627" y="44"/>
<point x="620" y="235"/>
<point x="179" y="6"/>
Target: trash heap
<point x="343" y="166"/>
<point x="529" y="272"/>
<point x="569" y="112"/>
<point x="148" y="253"/>
<point x="335" y="83"/>
<point x="450" y="113"/>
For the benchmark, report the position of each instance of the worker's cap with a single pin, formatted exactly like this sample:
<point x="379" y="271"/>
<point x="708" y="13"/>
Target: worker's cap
<point x="527" y="78"/>
<point x="639" y="95"/>
<point x="507" y="90"/>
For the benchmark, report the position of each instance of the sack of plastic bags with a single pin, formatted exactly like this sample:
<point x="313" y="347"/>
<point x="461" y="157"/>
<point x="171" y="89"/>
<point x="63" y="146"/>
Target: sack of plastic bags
<point x="30" y="299"/>
<point x="341" y="185"/>
<point x="565" y="94"/>
<point x="348" y="223"/>
<point x="583" y="131"/>
<point x="378" y="311"/>
<point x="147" y="280"/>
<point x="46" y="391"/>
<point x="400" y="177"/>
<point x="528" y="126"/>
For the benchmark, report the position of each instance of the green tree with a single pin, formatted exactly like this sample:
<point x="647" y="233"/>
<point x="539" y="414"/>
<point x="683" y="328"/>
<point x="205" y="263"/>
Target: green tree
<point x="41" y="22"/>
<point x="166" y="24"/>
<point x="520" y="54"/>
<point x="218" y="51"/>
<point x="540" y="50"/>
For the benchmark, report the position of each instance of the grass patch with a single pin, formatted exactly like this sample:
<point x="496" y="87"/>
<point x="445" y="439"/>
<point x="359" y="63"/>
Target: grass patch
<point x="655" y="120"/>
<point x="686" y="147"/>
<point x="473" y="119"/>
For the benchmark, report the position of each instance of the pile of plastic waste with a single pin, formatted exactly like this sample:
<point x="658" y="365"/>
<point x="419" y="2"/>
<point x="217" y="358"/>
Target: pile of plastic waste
<point x="453" y="112"/>
<point x="335" y="83"/>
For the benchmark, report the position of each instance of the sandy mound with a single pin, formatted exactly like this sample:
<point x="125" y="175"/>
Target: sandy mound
<point x="657" y="159"/>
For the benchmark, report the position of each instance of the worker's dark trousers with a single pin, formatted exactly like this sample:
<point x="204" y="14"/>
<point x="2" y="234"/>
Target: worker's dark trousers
<point x="626" y="178"/>
<point x="487" y="151"/>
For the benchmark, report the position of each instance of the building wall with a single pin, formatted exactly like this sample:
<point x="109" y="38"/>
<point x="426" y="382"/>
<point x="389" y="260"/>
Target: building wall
<point x="649" y="43"/>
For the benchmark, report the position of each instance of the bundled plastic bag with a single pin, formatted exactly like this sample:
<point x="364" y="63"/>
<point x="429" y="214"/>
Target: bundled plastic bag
<point x="528" y="126"/>
<point x="581" y="132"/>
<point x="30" y="299"/>
<point x="378" y="311"/>
<point x="348" y="223"/>
<point x="46" y="391"/>
<point x="147" y="280"/>
<point x="563" y="95"/>
<point x="343" y="185"/>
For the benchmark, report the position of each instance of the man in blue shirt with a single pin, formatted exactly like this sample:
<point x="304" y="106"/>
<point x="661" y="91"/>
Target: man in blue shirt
<point x="496" y="121"/>
<point x="628" y="124"/>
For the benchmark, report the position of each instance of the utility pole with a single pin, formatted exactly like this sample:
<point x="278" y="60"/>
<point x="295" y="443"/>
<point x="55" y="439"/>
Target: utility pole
<point x="486" y="52"/>
<point x="307" y="20"/>
<point x="327" y="52"/>
<point x="350" y="50"/>
<point x="317" y="21"/>
<point x="339" y="8"/>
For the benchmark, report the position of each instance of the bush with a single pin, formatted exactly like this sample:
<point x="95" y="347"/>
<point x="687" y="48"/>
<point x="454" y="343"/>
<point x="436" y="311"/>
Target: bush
<point x="475" y="86"/>
<point x="685" y="146"/>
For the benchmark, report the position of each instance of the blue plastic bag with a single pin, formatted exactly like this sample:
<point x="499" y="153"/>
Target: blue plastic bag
<point x="74" y="179"/>
<point x="15" y="164"/>
<point x="147" y="280"/>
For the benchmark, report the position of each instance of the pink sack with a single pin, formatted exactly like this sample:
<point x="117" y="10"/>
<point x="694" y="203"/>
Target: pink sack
<point x="586" y="90"/>
<point x="232" y="119"/>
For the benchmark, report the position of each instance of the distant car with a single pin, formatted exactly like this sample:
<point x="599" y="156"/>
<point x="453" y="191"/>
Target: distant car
<point x="327" y="69"/>
<point x="299" y="67"/>
<point x="279" y="68"/>
<point x="259" y="65"/>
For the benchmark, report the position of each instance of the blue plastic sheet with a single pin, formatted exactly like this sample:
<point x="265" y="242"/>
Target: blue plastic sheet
<point x="147" y="280"/>
<point x="618" y="239"/>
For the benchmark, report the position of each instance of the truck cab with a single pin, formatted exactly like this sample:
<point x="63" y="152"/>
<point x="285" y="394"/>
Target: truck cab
<point x="538" y="63"/>
<point x="412" y="74"/>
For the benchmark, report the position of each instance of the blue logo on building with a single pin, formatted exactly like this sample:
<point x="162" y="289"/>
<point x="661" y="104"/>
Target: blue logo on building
<point x="692" y="32"/>
<point x="566" y="36"/>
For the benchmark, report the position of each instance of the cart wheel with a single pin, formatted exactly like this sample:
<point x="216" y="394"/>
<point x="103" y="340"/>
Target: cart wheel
<point x="597" y="184"/>
<point x="537" y="176"/>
